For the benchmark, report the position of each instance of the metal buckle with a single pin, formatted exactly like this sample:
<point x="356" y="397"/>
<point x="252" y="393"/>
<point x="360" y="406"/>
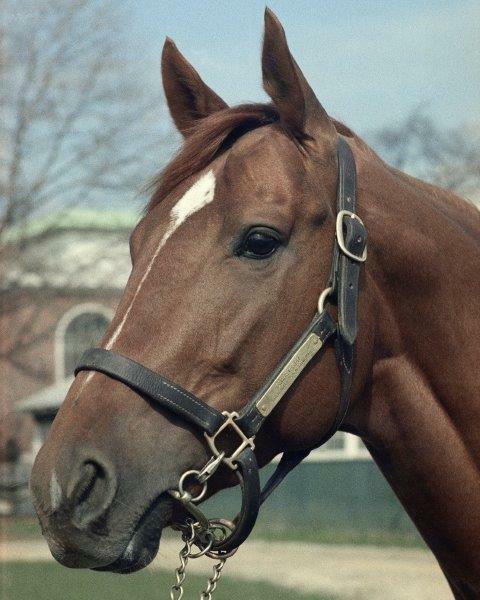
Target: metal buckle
<point x="340" y="238"/>
<point x="230" y="422"/>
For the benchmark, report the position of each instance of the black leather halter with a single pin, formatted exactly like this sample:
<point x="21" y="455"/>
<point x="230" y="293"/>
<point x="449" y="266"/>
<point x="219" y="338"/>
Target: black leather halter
<point x="348" y="255"/>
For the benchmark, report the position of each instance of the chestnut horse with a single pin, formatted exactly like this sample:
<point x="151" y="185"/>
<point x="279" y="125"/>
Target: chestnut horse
<point x="228" y="262"/>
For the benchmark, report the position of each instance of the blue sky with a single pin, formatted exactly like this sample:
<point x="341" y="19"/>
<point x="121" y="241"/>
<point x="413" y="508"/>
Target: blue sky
<point x="370" y="62"/>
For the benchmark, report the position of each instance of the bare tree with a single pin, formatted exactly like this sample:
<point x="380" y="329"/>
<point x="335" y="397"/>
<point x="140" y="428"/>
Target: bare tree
<point x="76" y="123"/>
<point x="449" y="158"/>
<point x="79" y="126"/>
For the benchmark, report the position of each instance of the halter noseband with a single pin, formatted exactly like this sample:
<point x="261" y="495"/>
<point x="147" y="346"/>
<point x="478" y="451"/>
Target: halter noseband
<point x="348" y="255"/>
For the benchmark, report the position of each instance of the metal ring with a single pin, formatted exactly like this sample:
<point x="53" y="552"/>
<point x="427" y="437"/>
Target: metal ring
<point x="221" y="524"/>
<point x="323" y="296"/>
<point x="202" y="551"/>
<point x="186" y="495"/>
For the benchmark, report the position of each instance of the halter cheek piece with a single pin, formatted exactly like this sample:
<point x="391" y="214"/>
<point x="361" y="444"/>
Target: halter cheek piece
<point x="348" y="255"/>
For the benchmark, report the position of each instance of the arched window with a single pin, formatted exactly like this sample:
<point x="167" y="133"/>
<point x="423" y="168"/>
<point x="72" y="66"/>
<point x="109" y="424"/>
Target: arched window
<point x="80" y="328"/>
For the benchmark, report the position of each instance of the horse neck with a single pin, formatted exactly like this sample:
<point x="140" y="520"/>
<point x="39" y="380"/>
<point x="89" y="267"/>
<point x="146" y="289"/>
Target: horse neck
<point x="420" y="415"/>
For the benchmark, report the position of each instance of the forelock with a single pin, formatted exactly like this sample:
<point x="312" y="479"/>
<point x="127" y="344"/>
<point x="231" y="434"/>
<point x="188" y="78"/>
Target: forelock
<point x="207" y="140"/>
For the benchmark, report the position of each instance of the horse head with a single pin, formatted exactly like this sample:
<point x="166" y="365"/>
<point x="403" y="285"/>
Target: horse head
<point x="228" y="263"/>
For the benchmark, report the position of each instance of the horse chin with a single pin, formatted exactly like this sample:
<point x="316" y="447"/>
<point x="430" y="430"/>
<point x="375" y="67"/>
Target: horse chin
<point x="145" y="540"/>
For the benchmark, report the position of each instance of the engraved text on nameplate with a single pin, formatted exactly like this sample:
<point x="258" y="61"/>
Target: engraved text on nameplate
<point x="283" y="381"/>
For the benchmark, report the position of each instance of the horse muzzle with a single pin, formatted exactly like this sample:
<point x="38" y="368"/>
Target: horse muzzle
<point x="88" y="522"/>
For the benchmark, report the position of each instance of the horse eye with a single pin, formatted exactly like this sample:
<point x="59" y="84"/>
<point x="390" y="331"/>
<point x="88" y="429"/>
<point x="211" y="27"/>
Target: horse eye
<point x="260" y="244"/>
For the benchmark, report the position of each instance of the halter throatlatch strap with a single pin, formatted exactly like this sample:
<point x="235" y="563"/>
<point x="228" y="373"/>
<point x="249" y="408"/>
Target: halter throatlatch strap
<point x="348" y="255"/>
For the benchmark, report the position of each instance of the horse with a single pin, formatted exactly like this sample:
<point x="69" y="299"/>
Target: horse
<point x="228" y="261"/>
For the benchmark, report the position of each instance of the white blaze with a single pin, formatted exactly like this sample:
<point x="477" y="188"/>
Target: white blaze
<point x="199" y="195"/>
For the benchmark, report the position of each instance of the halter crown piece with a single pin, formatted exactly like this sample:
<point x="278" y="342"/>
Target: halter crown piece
<point x="219" y="538"/>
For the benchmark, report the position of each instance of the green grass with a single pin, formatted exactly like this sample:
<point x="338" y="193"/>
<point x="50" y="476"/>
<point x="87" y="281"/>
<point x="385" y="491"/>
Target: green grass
<point x="48" y="581"/>
<point x="340" y="536"/>
<point x="27" y="528"/>
<point x="19" y="528"/>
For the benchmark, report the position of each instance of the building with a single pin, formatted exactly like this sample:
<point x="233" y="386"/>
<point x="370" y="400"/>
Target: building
<point x="58" y="294"/>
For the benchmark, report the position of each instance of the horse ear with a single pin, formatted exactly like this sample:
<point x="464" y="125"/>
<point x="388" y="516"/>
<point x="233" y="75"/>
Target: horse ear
<point x="300" y="112"/>
<point x="188" y="97"/>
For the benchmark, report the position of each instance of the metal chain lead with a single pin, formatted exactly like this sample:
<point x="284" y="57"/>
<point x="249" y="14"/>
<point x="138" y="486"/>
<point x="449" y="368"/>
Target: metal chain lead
<point x="176" y="591"/>
<point x="212" y="582"/>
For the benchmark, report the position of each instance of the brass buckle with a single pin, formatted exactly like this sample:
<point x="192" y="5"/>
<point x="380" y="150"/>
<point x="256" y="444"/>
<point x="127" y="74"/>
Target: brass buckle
<point x="341" y="239"/>
<point x="229" y="422"/>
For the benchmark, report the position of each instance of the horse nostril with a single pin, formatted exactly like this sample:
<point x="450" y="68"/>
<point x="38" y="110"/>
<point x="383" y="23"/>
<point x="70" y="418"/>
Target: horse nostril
<point x="87" y="480"/>
<point x="92" y="493"/>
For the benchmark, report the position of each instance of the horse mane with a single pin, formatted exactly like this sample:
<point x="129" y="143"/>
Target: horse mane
<point x="206" y="140"/>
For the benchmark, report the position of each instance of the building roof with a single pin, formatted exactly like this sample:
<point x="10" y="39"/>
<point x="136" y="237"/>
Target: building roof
<point x="86" y="250"/>
<point x="47" y="400"/>
<point x="75" y="218"/>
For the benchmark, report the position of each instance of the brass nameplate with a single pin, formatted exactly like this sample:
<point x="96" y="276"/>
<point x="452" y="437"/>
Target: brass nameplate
<point x="284" y="380"/>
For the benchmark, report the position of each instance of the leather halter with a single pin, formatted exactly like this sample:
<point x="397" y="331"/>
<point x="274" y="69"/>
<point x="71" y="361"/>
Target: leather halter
<point x="342" y="290"/>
